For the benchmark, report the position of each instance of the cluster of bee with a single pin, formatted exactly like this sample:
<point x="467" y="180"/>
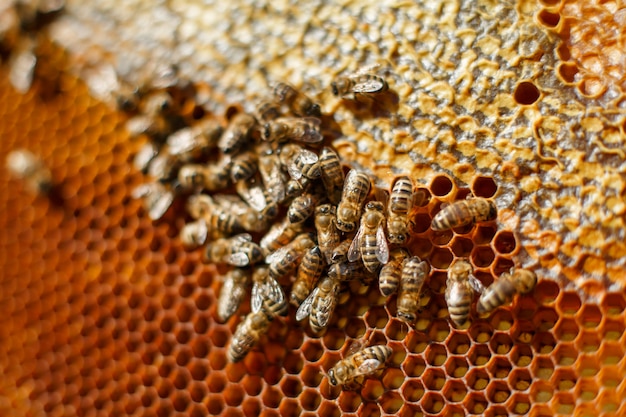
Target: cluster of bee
<point x="239" y="178"/>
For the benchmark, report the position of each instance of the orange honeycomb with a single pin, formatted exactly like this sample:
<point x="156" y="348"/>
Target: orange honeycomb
<point x="105" y="313"/>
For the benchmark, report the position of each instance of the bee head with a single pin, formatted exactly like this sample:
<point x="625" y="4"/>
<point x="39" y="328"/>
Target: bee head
<point x="333" y="86"/>
<point x="332" y="378"/>
<point x="314" y="110"/>
<point x="406" y="316"/>
<point x="267" y="131"/>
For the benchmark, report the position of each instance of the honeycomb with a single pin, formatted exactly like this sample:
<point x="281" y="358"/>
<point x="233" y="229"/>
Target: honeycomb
<point x="105" y="313"/>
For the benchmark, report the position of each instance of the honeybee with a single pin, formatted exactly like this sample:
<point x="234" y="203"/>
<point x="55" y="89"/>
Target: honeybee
<point x="202" y="206"/>
<point x="400" y="205"/>
<point x="272" y="176"/>
<point x="391" y="272"/>
<point x="460" y="213"/>
<point x="359" y="362"/>
<point x="301" y="208"/>
<point x="309" y="271"/>
<point x="248" y="218"/>
<point x="247" y="334"/>
<point x="210" y="177"/>
<point x="253" y="193"/>
<point x="194" y="234"/>
<point x="360" y="83"/>
<point x="279" y="235"/>
<point x="267" y="110"/>
<point x="298" y="103"/>
<point x="156" y="197"/>
<point x="326" y="226"/>
<point x="26" y="166"/>
<point x="332" y="174"/>
<point x="300" y="162"/>
<point x="355" y="190"/>
<point x="236" y="134"/>
<point x="244" y="165"/>
<point x="294" y="188"/>
<point x="193" y="143"/>
<point x="267" y="294"/>
<point x="144" y="156"/>
<point x="459" y="294"/>
<point x="320" y="304"/>
<point x="370" y="243"/>
<point x="340" y="252"/>
<point x="414" y="272"/>
<point x="502" y="291"/>
<point x="283" y="260"/>
<point x="238" y="250"/>
<point x="163" y="167"/>
<point x="232" y="292"/>
<point x="347" y="271"/>
<point x="301" y="129"/>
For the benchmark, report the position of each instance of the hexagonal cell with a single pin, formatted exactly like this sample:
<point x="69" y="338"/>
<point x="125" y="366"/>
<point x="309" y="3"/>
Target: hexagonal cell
<point x="333" y="339"/>
<point x="611" y="353"/>
<point x="589" y="316"/>
<point x="545" y="319"/>
<point x="396" y="330"/>
<point x="499" y="367"/>
<point x="543" y="343"/>
<point x="477" y="379"/>
<point x="441" y="186"/>
<point x="392" y="378"/>
<point x="251" y="407"/>
<point x="421" y="223"/>
<point x="289" y="407"/>
<point x="541" y="391"/>
<point x="458" y="343"/>
<point x="435" y="354"/>
<point x="311" y="376"/>
<point x="518" y="403"/>
<point x="542" y="367"/>
<point x="441" y="238"/>
<point x="413" y="390"/>
<point x="569" y="303"/>
<point x="483" y="234"/>
<point x="312" y="350"/>
<point x="501" y="320"/>
<point x="588" y="341"/>
<point x="291" y="386"/>
<point x="501" y="343"/>
<point x="234" y="395"/>
<point x="330" y="409"/>
<point x="504" y="242"/>
<point x="441" y="258"/>
<point x="479" y="355"/>
<point x="609" y="402"/>
<point x="252" y="384"/>
<point x="369" y="409"/>
<point x="216" y="382"/>
<point x="520" y="379"/>
<point x="454" y="391"/>
<point x="416" y="342"/>
<point x="612" y="330"/>
<point x="391" y="402"/>
<point x="377" y="317"/>
<point x="566" y="330"/>
<point x="349" y="401"/>
<point x="498" y="392"/>
<point x="434" y="378"/>
<point x="586" y="389"/>
<point x="481" y="332"/>
<point x="293" y="363"/>
<point x="475" y="403"/>
<point x="433" y="402"/>
<point x="482" y="256"/>
<point x="414" y="366"/>
<point x="613" y="304"/>
<point x="461" y="246"/>
<point x="310" y="399"/>
<point x="484" y="186"/>
<point x="564" y="379"/>
<point x="372" y="389"/>
<point x="521" y="355"/>
<point x="456" y="366"/>
<point x="215" y="404"/>
<point x="610" y="377"/>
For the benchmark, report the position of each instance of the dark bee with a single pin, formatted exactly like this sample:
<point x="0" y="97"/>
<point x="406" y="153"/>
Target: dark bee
<point x="359" y="362"/>
<point x="370" y="243"/>
<point x="247" y="334"/>
<point x="301" y="129"/>
<point x="391" y="272"/>
<point x="332" y="174"/>
<point x="355" y="190"/>
<point x="236" y="134"/>
<point x="400" y="205"/>
<point x="414" y="272"/>
<point x="298" y="103"/>
<point x="359" y="84"/>
<point x="504" y="289"/>
<point x="460" y="213"/>
<point x="459" y="290"/>
<point x="308" y="273"/>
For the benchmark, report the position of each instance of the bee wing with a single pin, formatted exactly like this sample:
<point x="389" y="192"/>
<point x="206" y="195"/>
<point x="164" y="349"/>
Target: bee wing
<point x="369" y="85"/>
<point x="277" y="254"/>
<point x="355" y="347"/>
<point x="355" y="247"/>
<point x="305" y="308"/>
<point x="274" y="291"/>
<point x="476" y="284"/>
<point x="22" y="67"/>
<point x="159" y="205"/>
<point x="293" y="171"/>
<point x="382" y="250"/>
<point x="368" y="366"/>
<point x="327" y="306"/>
<point x="256" y="298"/>
<point x="231" y="296"/>
<point x="241" y="238"/>
<point x="366" y="69"/>
<point x="237" y="259"/>
<point x="311" y="120"/>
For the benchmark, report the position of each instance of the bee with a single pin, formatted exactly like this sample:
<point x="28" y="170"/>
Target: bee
<point x="294" y="188"/>
<point x="25" y="165"/>
<point x="253" y="193"/>
<point x="391" y="272"/>
<point x="300" y="162"/>
<point x="283" y="260"/>
<point x="232" y="292"/>
<point x="247" y="334"/>
<point x="347" y="271"/>
<point x="301" y="208"/>
<point x="309" y="271"/>
<point x="272" y="176"/>
<point x="301" y="129"/>
<point x="332" y="174"/>
<point x="144" y="156"/>
<point x="414" y="272"/>
<point x="370" y="243"/>
<point x="194" y="234"/>
<point x="244" y="165"/>
<point x="400" y="205"/>
<point x="163" y="167"/>
<point x="326" y="226"/>
<point x="359" y="362"/>
<point x="460" y="213"/>
<point x="156" y="197"/>
<point x="202" y="206"/>
<point x="267" y="294"/>
<point x="267" y="110"/>
<point x="355" y="190"/>
<point x="193" y="143"/>
<point x="359" y="83"/>
<point x="238" y="250"/>
<point x="502" y="291"/>
<point x="340" y="252"/>
<point x="320" y="304"/>
<point x="210" y="177"/>
<point x="279" y="235"/>
<point x="298" y="103"/>
<point x="248" y="218"/>
<point x="236" y="134"/>
<point x="459" y="294"/>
